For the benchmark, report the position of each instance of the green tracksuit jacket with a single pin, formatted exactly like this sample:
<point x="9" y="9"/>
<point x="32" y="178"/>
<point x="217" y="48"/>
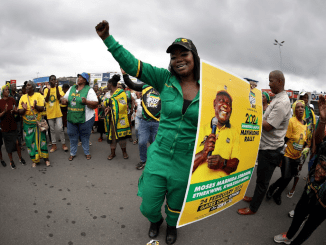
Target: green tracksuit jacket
<point x="169" y="157"/>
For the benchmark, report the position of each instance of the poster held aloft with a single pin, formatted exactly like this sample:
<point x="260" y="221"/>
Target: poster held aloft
<point x="225" y="154"/>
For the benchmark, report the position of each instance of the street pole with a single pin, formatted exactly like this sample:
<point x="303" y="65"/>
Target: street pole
<point x="279" y="46"/>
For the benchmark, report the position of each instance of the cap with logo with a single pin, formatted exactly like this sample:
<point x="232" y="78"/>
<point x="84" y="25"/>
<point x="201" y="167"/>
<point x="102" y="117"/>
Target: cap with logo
<point x="184" y="42"/>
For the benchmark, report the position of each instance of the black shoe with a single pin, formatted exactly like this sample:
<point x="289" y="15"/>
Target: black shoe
<point x="12" y="164"/>
<point x="270" y="192"/>
<point x="3" y="163"/>
<point x="154" y="229"/>
<point x="140" y="165"/>
<point x="277" y="199"/>
<point x="22" y="161"/>
<point x="171" y="234"/>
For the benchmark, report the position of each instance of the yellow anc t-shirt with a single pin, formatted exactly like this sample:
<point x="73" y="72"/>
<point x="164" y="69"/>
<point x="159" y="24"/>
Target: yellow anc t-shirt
<point x="297" y="134"/>
<point x="53" y="106"/>
<point x="227" y="145"/>
<point x="29" y="114"/>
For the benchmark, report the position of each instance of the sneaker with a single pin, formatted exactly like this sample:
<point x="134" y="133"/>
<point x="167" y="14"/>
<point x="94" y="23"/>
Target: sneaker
<point x="79" y="143"/>
<point x="140" y="165"/>
<point x="22" y="161"/>
<point x="34" y="165"/>
<point x="282" y="238"/>
<point x="12" y="164"/>
<point x="90" y="143"/>
<point x="3" y="163"/>
<point x="291" y="214"/>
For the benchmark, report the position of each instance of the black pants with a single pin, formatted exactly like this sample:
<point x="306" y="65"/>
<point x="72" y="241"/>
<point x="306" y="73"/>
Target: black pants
<point x="289" y="169"/>
<point x="317" y="214"/>
<point x="267" y="162"/>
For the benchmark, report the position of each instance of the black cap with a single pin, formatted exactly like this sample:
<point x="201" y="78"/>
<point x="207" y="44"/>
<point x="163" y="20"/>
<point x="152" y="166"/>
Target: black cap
<point x="184" y="42"/>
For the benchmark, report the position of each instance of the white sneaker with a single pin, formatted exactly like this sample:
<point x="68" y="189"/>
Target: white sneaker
<point x="282" y="238"/>
<point x="291" y="214"/>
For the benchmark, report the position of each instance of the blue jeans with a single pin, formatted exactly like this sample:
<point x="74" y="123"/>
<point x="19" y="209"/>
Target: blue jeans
<point x="146" y="133"/>
<point x="82" y="130"/>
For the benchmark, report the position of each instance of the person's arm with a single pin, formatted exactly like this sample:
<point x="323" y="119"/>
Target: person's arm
<point x="90" y="104"/>
<point x="47" y="97"/>
<point x="134" y="86"/>
<point x="266" y="126"/>
<point x="147" y="73"/>
<point x="39" y="108"/>
<point x="22" y="109"/>
<point x="4" y="111"/>
<point x="201" y="156"/>
<point x="91" y="101"/>
<point x="58" y="92"/>
<point x="276" y="117"/>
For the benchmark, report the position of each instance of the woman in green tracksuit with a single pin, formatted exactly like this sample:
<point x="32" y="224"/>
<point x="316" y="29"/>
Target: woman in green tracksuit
<point x="169" y="157"/>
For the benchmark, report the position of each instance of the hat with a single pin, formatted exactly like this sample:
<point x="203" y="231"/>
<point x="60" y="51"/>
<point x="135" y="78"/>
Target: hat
<point x="184" y="42"/>
<point x="312" y="106"/>
<point x="84" y="75"/>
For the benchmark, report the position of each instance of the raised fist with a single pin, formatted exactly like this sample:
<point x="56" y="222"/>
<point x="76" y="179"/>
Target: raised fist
<point x="102" y="29"/>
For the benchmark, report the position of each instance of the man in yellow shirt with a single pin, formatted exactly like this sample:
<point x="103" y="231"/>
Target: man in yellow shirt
<point x="223" y="145"/>
<point x="52" y="95"/>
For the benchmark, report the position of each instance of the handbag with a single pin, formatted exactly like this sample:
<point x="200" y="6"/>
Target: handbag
<point x="42" y="125"/>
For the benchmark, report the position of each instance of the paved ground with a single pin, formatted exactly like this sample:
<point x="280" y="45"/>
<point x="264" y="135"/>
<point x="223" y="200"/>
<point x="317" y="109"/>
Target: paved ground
<point x="94" y="202"/>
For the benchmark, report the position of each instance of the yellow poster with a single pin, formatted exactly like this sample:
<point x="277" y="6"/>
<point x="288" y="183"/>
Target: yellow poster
<point x="227" y="144"/>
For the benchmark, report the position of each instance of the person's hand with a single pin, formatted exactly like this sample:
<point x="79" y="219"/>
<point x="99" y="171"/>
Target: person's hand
<point x="122" y="71"/>
<point x="102" y="29"/>
<point x="48" y="86"/>
<point x="64" y="101"/>
<point x="6" y="108"/>
<point x="322" y="108"/>
<point x="84" y="100"/>
<point x="24" y="105"/>
<point x="35" y="104"/>
<point x="15" y="109"/>
<point x="107" y="110"/>
<point x="305" y="152"/>
<point x="215" y="162"/>
<point x="209" y="144"/>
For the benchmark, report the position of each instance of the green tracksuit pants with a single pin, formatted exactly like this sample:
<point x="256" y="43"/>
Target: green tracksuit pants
<point x="165" y="175"/>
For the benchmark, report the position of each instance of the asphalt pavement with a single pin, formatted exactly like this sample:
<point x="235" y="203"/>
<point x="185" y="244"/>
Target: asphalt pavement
<point x="95" y="202"/>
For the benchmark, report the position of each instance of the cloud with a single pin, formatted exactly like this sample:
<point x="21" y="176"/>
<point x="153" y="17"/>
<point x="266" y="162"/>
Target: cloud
<point x="59" y="36"/>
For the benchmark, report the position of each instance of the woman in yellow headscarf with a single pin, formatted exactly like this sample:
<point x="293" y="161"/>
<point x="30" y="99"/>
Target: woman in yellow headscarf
<point x="296" y="140"/>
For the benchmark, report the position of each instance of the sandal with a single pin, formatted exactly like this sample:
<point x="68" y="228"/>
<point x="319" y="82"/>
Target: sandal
<point x="54" y="148"/>
<point x="135" y="142"/>
<point x="290" y="194"/>
<point x="71" y="157"/>
<point x="47" y="162"/>
<point x="125" y="155"/>
<point x="111" y="156"/>
<point x="88" y="157"/>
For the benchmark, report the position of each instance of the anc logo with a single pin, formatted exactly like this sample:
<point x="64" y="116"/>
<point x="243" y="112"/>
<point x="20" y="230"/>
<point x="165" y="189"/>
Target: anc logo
<point x="184" y="40"/>
<point x="52" y="98"/>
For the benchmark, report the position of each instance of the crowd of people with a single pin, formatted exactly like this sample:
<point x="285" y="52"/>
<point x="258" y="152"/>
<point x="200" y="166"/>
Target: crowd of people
<point x="291" y="137"/>
<point x="165" y="106"/>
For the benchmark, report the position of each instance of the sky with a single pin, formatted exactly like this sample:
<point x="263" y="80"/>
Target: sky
<point x="40" y="38"/>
